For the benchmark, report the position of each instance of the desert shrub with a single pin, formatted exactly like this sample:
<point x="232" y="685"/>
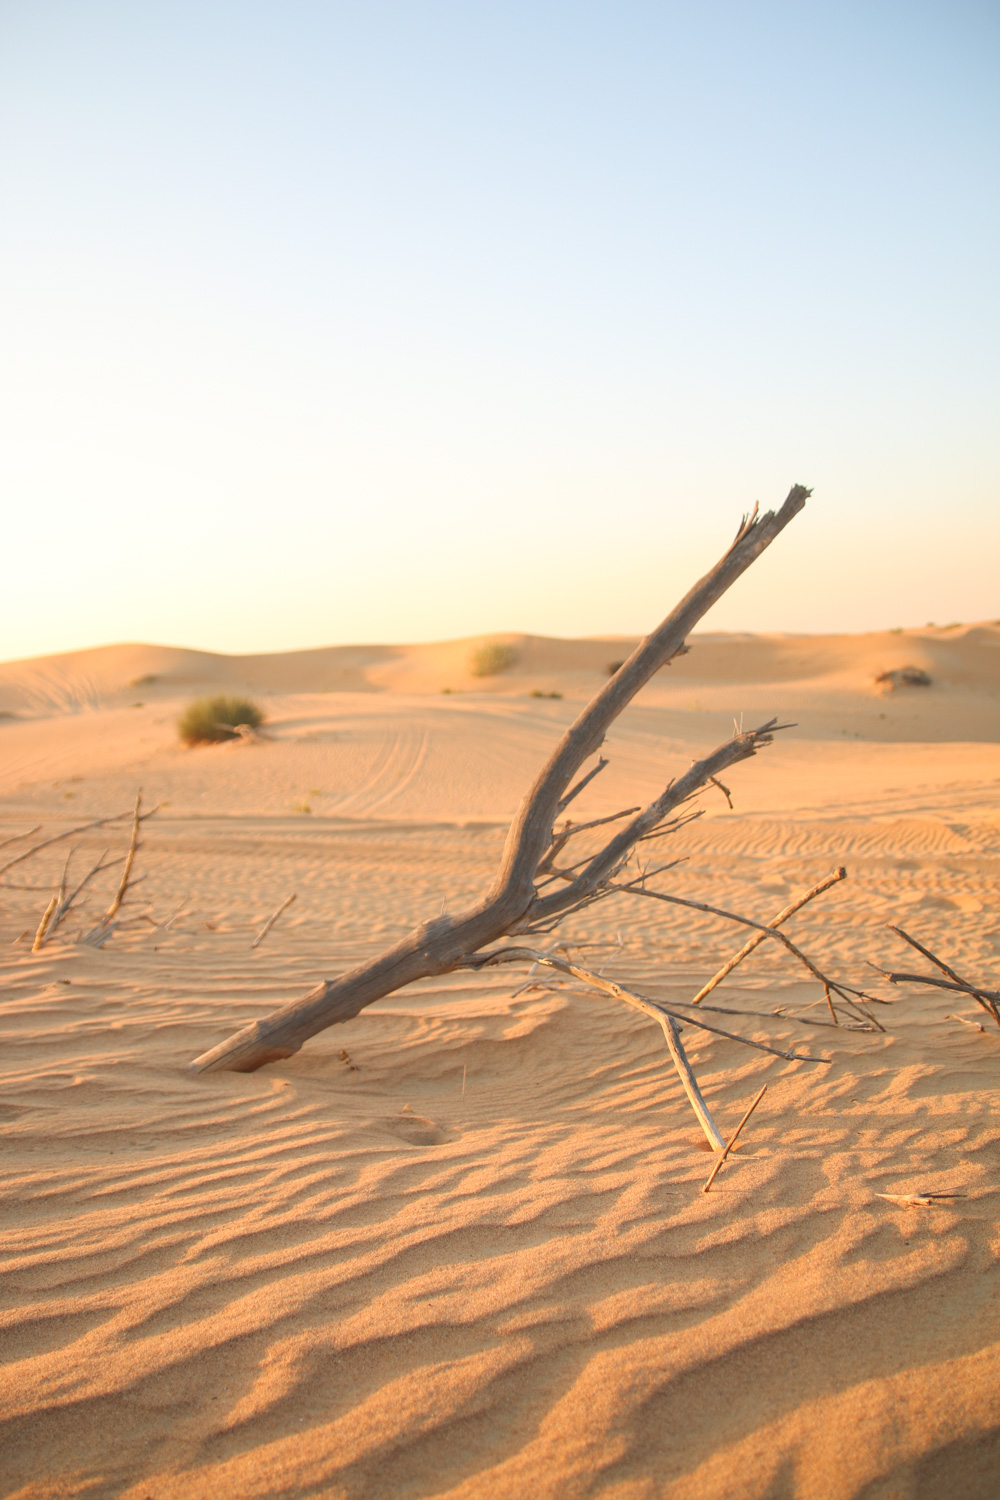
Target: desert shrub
<point x="492" y="658"/>
<point x="146" y="680"/>
<point x="900" y="677"/>
<point x="537" y="693"/>
<point x="614" y="666"/>
<point x="206" y="721"/>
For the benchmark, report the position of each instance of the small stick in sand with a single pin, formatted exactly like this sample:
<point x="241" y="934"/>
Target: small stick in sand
<point x="133" y="847"/>
<point x="732" y="1140"/>
<point x="44" y="923"/>
<point x="919" y="1200"/>
<point x="262" y="934"/>
<point x="65" y="902"/>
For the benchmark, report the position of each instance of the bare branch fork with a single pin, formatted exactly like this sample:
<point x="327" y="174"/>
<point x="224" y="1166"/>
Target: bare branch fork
<point x="514" y="904"/>
<point x="989" y="1000"/>
<point x="63" y="899"/>
<point x="852" y="998"/>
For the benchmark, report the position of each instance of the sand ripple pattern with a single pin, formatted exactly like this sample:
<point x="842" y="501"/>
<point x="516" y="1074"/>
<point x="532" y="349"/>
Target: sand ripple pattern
<point x="351" y="1278"/>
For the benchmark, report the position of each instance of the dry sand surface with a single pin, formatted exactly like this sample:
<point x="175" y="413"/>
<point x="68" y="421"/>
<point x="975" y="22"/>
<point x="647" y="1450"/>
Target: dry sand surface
<point x="458" y="1246"/>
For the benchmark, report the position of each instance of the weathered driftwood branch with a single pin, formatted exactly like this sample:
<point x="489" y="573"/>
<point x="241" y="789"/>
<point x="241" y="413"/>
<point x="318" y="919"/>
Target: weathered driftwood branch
<point x="513" y="904"/>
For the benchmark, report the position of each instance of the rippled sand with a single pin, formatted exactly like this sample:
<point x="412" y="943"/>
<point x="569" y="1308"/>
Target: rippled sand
<point x="458" y="1247"/>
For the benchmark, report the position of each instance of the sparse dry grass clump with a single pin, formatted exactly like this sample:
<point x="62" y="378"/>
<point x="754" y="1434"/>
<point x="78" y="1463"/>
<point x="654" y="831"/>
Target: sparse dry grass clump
<point x="492" y="658"/>
<point x="902" y="677"/>
<point x="209" y="721"/>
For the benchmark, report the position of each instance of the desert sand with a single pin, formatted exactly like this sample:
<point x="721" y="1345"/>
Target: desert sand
<point x="458" y="1246"/>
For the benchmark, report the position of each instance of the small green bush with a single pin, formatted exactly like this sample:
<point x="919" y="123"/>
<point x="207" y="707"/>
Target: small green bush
<point x="206" y="721"/>
<point x="537" y="693"/>
<point x="492" y="658"/>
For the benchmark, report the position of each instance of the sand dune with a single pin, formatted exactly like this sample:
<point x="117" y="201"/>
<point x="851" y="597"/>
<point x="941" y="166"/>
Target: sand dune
<point x="963" y="659"/>
<point x="471" y="1257"/>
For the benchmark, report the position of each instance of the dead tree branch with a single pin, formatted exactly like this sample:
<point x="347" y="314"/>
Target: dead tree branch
<point x="262" y="934"/>
<point x="513" y="903"/>
<point x="989" y="1000"/>
<point x="759" y="937"/>
<point x="654" y="1008"/>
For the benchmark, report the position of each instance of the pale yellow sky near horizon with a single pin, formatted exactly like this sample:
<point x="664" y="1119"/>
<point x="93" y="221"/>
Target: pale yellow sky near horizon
<point x="385" y="323"/>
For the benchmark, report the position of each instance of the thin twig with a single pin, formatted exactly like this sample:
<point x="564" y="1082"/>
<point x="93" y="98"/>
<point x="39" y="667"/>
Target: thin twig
<point x="937" y="962"/>
<point x="66" y="902"/>
<point x="690" y="1082"/>
<point x="987" y="998"/>
<point x="44" y="923"/>
<point x="107" y="925"/>
<point x="723" y="789"/>
<point x="16" y="838"/>
<point x="759" y="937"/>
<point x="575" y="791"/>
<point x="919" y="1200"/>
<point x="262" y="934"/>
<point x="570" y="831"/>
<point x="70" y="832"/>
<point x="732" y="1141"/>
<point x="656" y="1008"/>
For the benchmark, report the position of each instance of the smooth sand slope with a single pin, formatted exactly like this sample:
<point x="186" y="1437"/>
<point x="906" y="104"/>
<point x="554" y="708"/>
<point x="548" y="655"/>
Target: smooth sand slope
<point x="458" y="1246"/>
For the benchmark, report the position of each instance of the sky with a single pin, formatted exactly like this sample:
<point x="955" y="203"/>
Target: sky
<point x="408" y="320"/>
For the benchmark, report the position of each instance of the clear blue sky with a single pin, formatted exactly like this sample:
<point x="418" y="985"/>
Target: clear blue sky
<point x="394" y="321"/>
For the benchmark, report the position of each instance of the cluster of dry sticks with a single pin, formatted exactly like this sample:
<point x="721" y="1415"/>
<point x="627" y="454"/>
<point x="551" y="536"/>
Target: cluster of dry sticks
<point x="987" y="1000"/>
<point x="65" y="896"/>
